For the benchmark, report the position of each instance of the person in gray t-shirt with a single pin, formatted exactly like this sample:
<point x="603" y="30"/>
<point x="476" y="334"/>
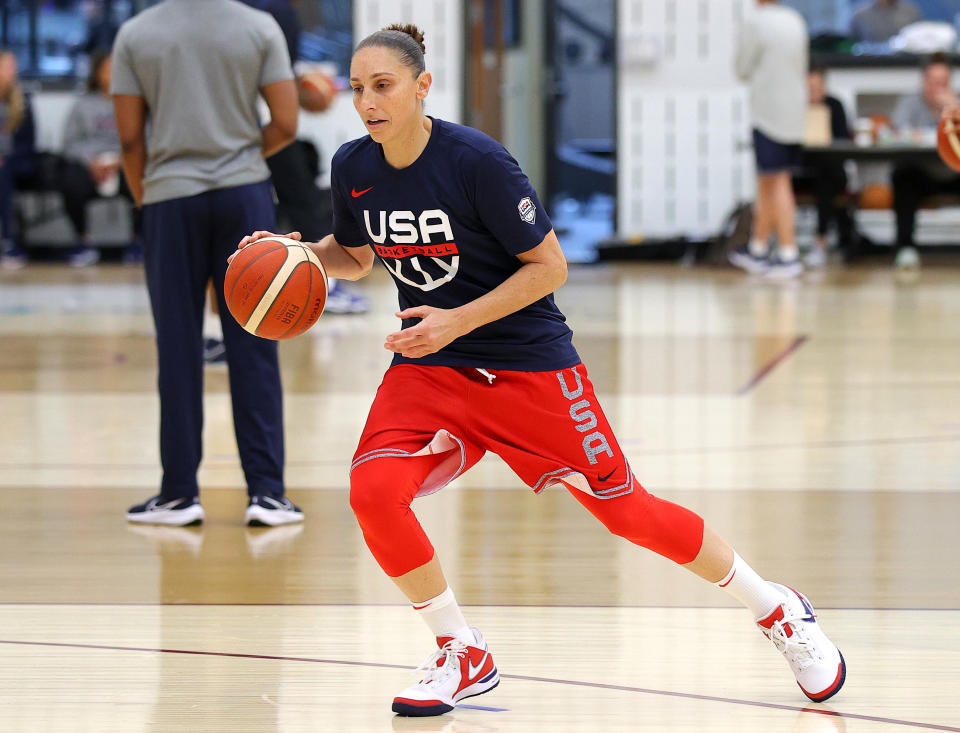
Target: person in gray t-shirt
<point x="914" y="181"/>
<point x="195" y="69"/>
<point x="91" y="167"/>
<point x="880" y="20"/>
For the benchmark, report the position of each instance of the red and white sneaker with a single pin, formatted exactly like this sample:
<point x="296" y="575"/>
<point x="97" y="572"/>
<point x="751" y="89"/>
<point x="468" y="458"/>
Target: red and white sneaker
<point x="815" y="660"/>
<point x="454" y="672"/>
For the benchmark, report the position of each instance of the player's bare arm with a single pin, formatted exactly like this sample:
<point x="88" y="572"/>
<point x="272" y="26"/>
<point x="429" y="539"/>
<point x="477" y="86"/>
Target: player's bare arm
<point x="131" y="113"/>
<point x="281" y="99"/>
<point x="544" y="270"/>
<point x="346" y="263"/>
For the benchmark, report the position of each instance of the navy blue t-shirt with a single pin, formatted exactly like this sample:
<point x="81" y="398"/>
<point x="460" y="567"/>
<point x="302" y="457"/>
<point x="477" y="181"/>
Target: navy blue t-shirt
<point x="448" y="227"/>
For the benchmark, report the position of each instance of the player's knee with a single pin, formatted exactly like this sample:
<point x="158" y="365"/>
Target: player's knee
<point x="363" y="493"/>
<point x="372" y="491"/>
<point x="629" y="515"/>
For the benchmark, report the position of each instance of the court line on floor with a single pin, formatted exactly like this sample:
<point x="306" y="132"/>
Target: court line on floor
<point x="231" y="461"/>
<point x="838" y="443"/>
<point x="772" y="364"/>
<point x="392" y="604"/>
<point x="524" y="678"/>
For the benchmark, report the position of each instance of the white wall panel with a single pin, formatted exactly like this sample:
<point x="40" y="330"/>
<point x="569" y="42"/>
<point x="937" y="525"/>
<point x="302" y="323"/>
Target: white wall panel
<point x="682" y="121"/>
<point x="442" y="24"/>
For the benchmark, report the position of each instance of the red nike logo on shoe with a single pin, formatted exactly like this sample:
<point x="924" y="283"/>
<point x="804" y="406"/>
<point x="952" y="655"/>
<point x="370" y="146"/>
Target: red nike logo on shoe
<point x="356" y="194"/>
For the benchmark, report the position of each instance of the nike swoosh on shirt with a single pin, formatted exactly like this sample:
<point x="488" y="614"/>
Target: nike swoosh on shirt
<point x="604" y="478"/>
<point x="357" y="194"/>
<point x="474" y="671"/>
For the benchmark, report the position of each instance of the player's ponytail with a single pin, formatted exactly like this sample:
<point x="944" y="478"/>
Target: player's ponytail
<point x="406" y="40"/>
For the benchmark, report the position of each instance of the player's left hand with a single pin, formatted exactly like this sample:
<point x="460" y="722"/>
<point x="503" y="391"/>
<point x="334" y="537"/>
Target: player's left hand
<point x="437" y="328"/>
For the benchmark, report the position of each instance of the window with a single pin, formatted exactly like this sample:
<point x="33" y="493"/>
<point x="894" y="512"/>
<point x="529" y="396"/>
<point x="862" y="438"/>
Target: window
<point x="327" y="32"/>
<point x="833" y="16"/>
<point x="52" y="39"/>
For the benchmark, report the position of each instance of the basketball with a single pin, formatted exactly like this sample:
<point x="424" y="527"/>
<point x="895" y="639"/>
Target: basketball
<point x="948" y="143"/>
<point x="275" y="288"/>
<point x="876" y="196"/>
<point x="317" y="91"/>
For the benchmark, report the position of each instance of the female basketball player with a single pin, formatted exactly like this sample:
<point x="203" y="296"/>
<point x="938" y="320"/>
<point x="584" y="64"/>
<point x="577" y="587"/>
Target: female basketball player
<point x="484" y="361"/>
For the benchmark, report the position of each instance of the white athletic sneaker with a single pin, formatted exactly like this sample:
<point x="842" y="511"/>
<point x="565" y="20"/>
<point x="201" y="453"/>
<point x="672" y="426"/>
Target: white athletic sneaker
<point x="454" y="672"/>
<point x="907" y="259"/>
<point x="816" y="258"/>
<point x="781" y="269"/>
<point x="172" y="512"/>
<point x="743" y="258"/>
<point x="815" y="660"/>
<point x="272" y="511"/>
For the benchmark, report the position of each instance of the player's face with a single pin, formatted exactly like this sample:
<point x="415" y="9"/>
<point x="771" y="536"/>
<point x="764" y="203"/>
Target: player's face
<point x="386" y="94"/>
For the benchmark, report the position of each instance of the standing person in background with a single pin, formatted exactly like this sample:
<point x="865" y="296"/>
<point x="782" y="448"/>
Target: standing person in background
<point x="91" y="151"/>
<point x="881" y="20"/>
<point x="827" y="180"/>
<point x="17" y="154"/>
<point x="915" y="181"/>
<point x="299" y="199"/>
<point x="772" y="58"/>
<point x="194" y="70"/>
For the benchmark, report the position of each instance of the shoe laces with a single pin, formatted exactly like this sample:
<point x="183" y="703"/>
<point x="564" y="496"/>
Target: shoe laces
<point x="439" y="664"/>
<point x="792" y="644"/>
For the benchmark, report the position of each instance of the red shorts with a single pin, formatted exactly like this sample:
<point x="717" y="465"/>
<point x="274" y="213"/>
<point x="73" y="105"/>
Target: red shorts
<point x="547" y="426"/>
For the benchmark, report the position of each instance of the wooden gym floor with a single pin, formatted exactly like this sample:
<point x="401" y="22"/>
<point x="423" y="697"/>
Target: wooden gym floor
<point x="815" y="424"/>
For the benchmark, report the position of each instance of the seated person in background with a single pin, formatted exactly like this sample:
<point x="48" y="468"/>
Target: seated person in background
<point x="881" y="20"/>
<point x="915" y="181"/>
<point x="17" y="154"/>
<point x="827" y="181"/>
<point x="91" y="149"/>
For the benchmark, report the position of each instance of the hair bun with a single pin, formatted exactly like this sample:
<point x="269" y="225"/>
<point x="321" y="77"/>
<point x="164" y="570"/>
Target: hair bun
<point x="411" y="30"/>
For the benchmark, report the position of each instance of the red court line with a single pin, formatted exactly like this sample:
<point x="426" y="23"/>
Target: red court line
<point x="771" y="365"/>
<point x="525" y="678"/>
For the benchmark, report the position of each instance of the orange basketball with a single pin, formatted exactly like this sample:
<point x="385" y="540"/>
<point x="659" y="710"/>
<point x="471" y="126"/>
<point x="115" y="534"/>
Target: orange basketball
<point x="878" y="196"/>
<point x="317" y="91"/>
<point x="275" y="288"/>
<point x="948" y="142"/>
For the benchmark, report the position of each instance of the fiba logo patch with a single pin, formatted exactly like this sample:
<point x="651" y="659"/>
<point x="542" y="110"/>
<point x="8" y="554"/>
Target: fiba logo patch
<point x="527" y="209"/>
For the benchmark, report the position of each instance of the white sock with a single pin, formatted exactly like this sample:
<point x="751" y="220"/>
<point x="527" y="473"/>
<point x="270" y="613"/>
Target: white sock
<point x="759" y="247"/>
<point x="743" y="583"/>
<point x="788" y="252"/>
<point x="445" y="618"/>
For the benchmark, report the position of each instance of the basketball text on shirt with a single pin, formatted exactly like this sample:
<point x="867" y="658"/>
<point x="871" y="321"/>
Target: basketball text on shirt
<point x="411" y="254"/>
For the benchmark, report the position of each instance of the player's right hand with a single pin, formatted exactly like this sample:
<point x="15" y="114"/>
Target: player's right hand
<point x="251" y="238"/>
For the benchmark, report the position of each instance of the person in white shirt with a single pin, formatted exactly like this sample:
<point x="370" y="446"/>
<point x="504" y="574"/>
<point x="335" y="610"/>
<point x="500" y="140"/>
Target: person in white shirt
<point x="772" y="58"/>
